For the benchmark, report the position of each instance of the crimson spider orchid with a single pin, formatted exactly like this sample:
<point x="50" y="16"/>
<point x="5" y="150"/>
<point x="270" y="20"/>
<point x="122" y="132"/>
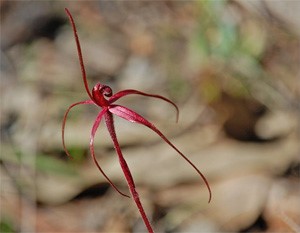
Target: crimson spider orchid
<point x="103" y="97"/>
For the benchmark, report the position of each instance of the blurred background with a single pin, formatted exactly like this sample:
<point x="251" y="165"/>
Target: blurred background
<point x="232" y="67"/>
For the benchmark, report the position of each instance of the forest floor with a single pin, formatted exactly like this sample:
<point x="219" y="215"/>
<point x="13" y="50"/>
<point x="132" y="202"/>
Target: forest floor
<point x="232" y="67"/>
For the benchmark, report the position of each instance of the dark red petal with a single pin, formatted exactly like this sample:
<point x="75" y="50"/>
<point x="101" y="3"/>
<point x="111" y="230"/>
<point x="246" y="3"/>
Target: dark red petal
<point x="94" y="129"/>
<point x="120" y="94"/>
<point x="111" y="129"/>
<point x="132" y="116"/>
<point x="79" y="53"/>
<point x="64" y="122"/>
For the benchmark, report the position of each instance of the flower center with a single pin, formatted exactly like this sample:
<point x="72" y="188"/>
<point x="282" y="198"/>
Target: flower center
<point x="99" y="93"/>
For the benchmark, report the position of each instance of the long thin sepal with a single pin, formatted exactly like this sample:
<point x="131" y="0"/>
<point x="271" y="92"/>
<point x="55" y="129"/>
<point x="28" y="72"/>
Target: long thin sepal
<point x="110" y="126"/>
<point x="94" y="129"/>
<point x="64" y="122"/>
<point x="123" y="93"/>
<point x="132" y="116"/>
<point x="79" y="53"/>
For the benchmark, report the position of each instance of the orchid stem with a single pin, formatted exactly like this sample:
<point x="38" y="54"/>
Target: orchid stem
<point x="134" y="193"/>
<point x="110" y="126"/>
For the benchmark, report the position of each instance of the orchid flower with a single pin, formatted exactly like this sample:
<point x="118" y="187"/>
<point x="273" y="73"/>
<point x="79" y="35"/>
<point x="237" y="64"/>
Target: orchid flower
<point x="102" y="96"/>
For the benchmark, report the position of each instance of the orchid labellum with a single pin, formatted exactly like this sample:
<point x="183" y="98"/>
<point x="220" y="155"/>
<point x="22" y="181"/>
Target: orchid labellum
<point x="102" y="96"/>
